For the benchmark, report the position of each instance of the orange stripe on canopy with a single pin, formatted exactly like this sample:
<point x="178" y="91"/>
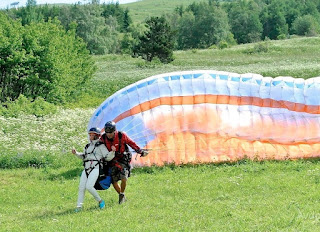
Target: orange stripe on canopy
<point x="218" y="99"/>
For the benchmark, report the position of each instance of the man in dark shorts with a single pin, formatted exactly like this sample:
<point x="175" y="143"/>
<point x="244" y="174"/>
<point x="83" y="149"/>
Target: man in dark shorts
<point x="120" y="164"/>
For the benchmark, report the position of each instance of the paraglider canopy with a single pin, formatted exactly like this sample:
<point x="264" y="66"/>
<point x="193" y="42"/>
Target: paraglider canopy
<point x="212" y="116"/>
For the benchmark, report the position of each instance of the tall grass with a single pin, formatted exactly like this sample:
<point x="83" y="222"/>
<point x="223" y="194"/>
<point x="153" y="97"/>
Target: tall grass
<point x="140" y="10"/>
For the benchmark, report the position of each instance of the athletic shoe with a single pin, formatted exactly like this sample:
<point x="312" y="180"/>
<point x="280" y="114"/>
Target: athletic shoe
<point x="122" y="198"/>
<point x="102" y="204"/>
<point x="78" y="209"/>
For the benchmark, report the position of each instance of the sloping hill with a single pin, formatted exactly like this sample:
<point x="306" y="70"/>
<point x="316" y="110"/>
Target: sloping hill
<point x="140" y="10"/>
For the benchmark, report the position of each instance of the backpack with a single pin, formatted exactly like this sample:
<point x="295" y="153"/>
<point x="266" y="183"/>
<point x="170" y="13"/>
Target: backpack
<point x="104" y="179"/>
<point x="127" y="156"/>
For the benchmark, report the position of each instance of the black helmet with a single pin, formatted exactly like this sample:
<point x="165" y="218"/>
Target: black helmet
<point x="110" y="127"/>
<point x="95" y="130"/>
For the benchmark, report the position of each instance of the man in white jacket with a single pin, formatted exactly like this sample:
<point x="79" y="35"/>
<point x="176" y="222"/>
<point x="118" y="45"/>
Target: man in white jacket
<point x="91" y="156"/>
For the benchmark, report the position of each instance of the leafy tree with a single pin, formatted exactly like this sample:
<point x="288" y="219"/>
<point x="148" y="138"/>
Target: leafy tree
<point x="245" y="22"/>
<point x="179" y="10"/>
<point x="29" y="13"/>
<point x="131" y="38"/>
<point x="123" y="18"/>
<point x="306" y="25"/>
<point x="274" y="22"/>
<point x="98" y="25"/>
<point x="293" y="9"/>
<point x="186" y="24"/>
<point x="11" y="55"/>
<point x="100" y="34"/>
<point x="157" y="41"/>
<point x="41" y="60"/>
<point x="202" y="25"/>
<point x="126" y="20"/>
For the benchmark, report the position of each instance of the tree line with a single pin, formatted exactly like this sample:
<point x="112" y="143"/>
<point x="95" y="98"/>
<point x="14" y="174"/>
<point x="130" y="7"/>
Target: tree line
<point x="108" y="28"/>
<point x="201" y="25"/>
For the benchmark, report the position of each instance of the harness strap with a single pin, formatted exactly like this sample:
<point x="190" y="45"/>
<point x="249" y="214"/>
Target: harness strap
<point x="89" y="170"/>
<point x="122" y="160"/>
<point x="89" y="161"/>
<point x="119" y="155"/>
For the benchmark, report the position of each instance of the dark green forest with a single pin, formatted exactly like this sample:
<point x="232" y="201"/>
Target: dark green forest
<point x="108" y="28"/>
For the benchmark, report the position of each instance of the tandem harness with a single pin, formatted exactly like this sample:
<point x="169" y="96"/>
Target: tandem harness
<point x="123" y="159"/>
<point x="104" y="179"/>
<point x="99" y="162"/>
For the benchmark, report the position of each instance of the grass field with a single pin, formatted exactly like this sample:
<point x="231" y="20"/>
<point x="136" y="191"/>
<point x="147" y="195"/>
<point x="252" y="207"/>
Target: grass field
<point x="245" y="196"/>
<point x="141" y="10"/>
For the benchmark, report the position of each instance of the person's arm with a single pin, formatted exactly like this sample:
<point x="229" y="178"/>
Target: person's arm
<point x="130" y="142"/>
<point x="133" y="145"/>
<point x="80" y="155"/>
<point x="108" y="155"/>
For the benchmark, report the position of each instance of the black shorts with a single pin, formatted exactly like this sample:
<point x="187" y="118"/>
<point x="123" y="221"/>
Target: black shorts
<point x="119" y="173"/>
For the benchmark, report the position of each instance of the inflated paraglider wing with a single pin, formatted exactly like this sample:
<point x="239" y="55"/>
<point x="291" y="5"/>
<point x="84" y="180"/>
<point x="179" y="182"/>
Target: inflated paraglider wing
<point x="212" y="116"/>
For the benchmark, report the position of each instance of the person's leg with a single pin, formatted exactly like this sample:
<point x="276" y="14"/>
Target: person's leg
<point x="92" y="178"/>
<point x="82" y="189"/>
<point x="115" y="172"/>
<point x="119" y="174"/>
<point x="123" y="185"/>
<point x="124" y="177"/>
<point x="116" y="187"/>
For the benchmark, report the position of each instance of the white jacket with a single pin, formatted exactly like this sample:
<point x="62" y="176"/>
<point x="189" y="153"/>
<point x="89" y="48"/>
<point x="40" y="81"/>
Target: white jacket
<point x="94" y="153"/>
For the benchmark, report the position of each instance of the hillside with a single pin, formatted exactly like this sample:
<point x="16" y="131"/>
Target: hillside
<point x="140" y="10"/>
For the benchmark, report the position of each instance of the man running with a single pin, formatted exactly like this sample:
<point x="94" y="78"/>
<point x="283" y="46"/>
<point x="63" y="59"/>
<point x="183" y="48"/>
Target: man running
<point x="120" y="164"/>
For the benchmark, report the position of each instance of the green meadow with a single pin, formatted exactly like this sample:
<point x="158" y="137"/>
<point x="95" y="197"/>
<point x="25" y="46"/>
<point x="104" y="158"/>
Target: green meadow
<point x="141" y="10"/>
<point x="39" y="176"/>
<point x="246" y="196"/>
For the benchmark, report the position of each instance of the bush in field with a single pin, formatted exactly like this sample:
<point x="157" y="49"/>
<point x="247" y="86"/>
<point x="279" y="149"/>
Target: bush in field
<point x="261" y="47"/>
<point x="41" y="60"/>
<point x="36" y="159"/>
<point x="22" y="105"/>
<point x="306" y="25"/>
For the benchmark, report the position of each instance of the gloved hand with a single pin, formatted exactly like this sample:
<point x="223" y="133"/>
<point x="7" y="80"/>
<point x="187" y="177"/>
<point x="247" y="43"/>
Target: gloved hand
<point x="144" y="153"/>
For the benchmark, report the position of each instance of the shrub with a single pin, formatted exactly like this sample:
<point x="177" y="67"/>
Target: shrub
<point x="306" y="25"/>
<point x="37" y="159"/>
<point x="281" y="36"/>
<point x="38" y="107"/>
<point x="259" y="48"/>
<point x="223" y="44"/>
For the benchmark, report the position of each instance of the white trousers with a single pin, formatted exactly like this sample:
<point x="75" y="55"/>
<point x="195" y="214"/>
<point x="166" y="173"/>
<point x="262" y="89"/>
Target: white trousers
<point x="88" y="183"/>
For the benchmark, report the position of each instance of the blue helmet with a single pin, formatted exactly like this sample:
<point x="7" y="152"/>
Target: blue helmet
<point x="95" y="130"/>
<point x="110" y="127"/>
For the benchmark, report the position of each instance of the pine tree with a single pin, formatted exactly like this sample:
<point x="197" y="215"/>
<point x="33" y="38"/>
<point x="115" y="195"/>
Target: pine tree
<point x="157" y="41"/>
